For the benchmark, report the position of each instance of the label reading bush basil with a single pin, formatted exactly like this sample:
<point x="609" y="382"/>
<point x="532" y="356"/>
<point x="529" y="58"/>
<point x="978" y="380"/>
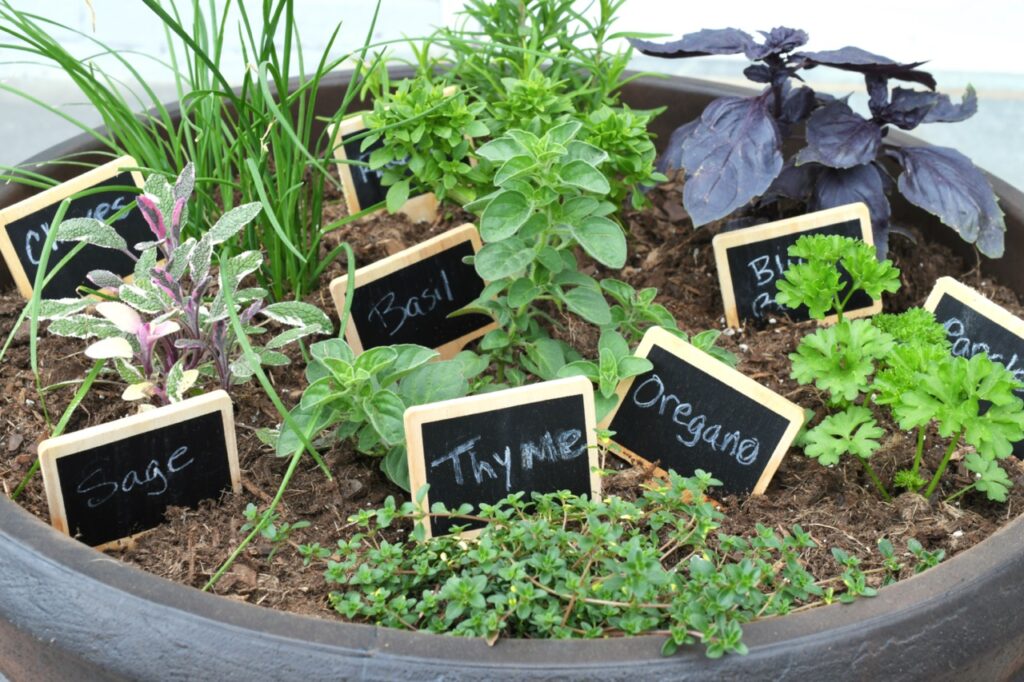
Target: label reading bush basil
<point x="974" y="324"/>
<point x="407" y="297"/>
<point x="693" y="412"/>
<point x="117" y="479"/>
<point x="537" y="438"/>
<point x="24" y="228"/>
<point x="751" y="260"/>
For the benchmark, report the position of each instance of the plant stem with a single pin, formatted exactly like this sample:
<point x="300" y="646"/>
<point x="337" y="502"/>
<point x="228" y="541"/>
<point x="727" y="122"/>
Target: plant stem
<point x="942" y="465"/>
<point x="961" y="492"/>
<point x="876" y="480"/>
<point x="919" y="453"/>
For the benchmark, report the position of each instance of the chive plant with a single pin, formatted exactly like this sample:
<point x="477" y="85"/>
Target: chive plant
<point x="253" y="143"/>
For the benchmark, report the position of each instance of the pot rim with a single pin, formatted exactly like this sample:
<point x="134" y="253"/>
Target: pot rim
<point x="42" y="570"/>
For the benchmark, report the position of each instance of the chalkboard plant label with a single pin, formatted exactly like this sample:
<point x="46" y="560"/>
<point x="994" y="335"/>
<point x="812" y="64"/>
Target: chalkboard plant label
<point x="974" y="324"/>
<point x="25" y="225"/>
<point x="479" y="449"/>
<point x="407" y="297"/>
<point x="751" y="260"/>
<point x="115" y="480"/>
<point x="692" y="412"/>
<point x="361" y="185"/>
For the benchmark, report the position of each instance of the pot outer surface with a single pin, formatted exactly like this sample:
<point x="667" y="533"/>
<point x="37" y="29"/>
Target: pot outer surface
<point x="68" y="612"/>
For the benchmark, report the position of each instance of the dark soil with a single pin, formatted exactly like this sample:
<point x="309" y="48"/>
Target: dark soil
<point x="838" y="506"/>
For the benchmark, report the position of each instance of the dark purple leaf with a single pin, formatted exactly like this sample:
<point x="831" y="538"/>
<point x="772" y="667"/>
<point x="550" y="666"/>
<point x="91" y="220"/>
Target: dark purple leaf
<point x="777" y="41"/>
<point x="672" y="158"/>
<point x="838" y="187"/>
<point x="759" y="73"/>
<point x="797" y="104"/>
<point x="840" y="138"/>
<point x="699" y="44"/>
<point x="945" y="183"/>
<point x="794" y="182"/>
<point x="731" y="157"/>
<point x="908" y="108"/>
<point x="862" y="61"/>
<point x="878" y="93"/>
<point x="946" y="112"/>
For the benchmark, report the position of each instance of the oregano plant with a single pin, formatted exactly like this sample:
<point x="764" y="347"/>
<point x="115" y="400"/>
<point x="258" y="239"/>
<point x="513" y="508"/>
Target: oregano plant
<point x="168" y="330"/>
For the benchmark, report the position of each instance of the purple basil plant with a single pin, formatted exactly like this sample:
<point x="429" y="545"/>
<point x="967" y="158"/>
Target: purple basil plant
<point x="170" y="327"/>
<point x="733" y="154"/>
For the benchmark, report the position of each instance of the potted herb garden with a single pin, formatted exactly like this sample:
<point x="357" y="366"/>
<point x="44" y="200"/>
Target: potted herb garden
<point x="260" y="249"/>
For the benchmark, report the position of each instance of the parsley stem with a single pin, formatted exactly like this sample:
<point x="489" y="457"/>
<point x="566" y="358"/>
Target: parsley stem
<point x="876" y="480"/>
<point x="942" y="465"/>
<point x="919" y="453"/>
<point x="961" y="492"/>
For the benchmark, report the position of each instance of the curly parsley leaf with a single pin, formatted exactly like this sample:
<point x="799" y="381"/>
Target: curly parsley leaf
<point x="853" y="431"/>
<point x="841" y="358"/>
<point x="991" y="478"/>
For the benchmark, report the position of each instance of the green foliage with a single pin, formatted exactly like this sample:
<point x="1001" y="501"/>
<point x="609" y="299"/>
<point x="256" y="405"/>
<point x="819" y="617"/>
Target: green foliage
<point x="270" y="527"/>
<point x="534" y="103"/>
<point x="841" y="359"/>
<point x="427" y="135"/>
<point x="566" y="566"/>
<point x="903" y="362"/>
<point x="817" y="281"/>
<point x="168" y="331"/>
<point x="520" y="39"/>
<point x="615" y="362"/>
<point x="365" y="397"/>
<point x="550" y="199"/>
<point x="853" y="431"/>
<point x="622" y="133"/>
<point x="255" y="144"/>
<point x="970" y="399"/>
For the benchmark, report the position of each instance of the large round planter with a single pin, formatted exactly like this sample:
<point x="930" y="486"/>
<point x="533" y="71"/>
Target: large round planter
<point x="69" y="612"/>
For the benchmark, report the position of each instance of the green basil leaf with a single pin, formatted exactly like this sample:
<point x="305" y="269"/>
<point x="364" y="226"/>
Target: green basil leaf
<point x="586" y="177"/>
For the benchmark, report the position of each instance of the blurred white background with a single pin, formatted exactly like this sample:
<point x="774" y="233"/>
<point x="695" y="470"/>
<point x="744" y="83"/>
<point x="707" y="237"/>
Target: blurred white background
<point x="976" y="43"/>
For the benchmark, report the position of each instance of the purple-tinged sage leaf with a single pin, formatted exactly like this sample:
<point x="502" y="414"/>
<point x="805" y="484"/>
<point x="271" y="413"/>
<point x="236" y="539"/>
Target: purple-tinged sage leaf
<point x="838" y="137"/>
<point x="945" y="111"/>
<point x="862" y="61"/>
<point x="777" y="41"/>
<point x="945" y="183"/>
<point x="731" y="157"/>
<point x="149" y="206"/>
<point x="699" y="44"/>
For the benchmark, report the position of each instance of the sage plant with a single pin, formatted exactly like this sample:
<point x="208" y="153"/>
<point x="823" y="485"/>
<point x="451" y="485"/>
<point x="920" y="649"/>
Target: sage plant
<point x="169" y="328"/>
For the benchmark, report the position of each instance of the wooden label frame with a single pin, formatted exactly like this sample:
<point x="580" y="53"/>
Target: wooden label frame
<point x="724" y="241"/>
<point x="417" y="416"/>
<point x="67" y="445"/>
<point x="990" y="310"/>
<point x="370" y="273"/>
<point x="691" y="355"/>
<point x="49" y="197"/>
